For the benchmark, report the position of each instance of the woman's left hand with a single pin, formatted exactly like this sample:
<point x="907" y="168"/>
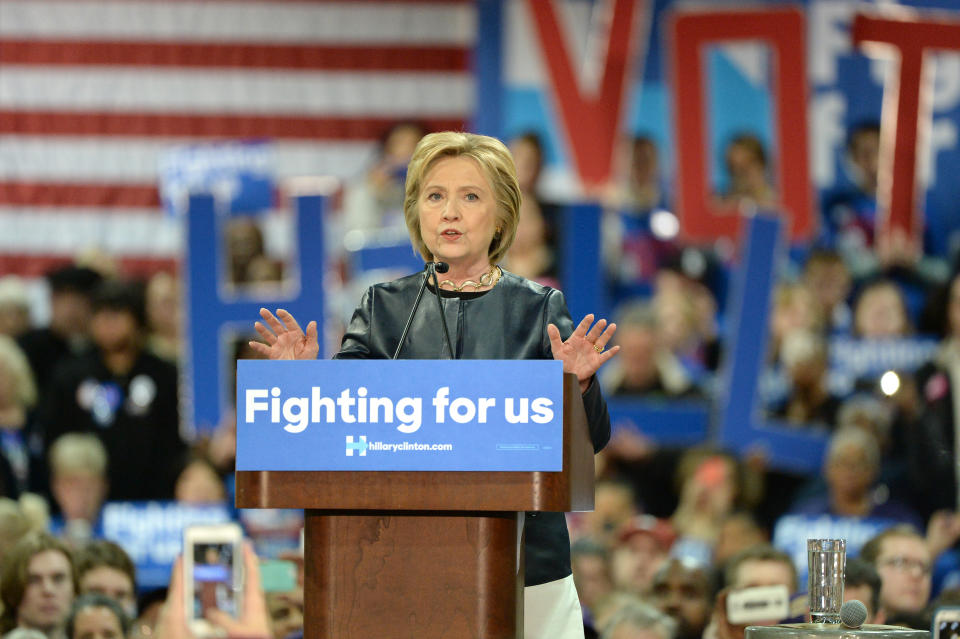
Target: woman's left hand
<point x="585" y="350"/>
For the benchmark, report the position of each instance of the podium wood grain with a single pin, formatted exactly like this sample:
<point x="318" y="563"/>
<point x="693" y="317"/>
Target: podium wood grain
<point x="422" y="554"/>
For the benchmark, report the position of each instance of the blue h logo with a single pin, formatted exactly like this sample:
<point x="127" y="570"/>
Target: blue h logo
<point x="360" y="445"/>
<point x="211" y="311"/>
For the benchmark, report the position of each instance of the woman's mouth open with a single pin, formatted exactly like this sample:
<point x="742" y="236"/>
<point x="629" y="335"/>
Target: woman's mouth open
<point x="451" y="234"/>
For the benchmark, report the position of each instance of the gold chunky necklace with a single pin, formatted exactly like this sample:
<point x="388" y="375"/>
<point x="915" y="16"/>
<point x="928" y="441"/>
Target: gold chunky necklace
<point x="490" y="278"/>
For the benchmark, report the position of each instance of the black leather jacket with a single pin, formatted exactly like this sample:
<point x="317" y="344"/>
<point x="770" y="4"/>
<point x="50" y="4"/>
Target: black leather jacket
<point x="507" y="322"/>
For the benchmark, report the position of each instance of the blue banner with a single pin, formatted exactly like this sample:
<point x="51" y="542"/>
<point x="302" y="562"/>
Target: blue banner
<point x="475" y="415"/>
<point x="238" y="174"/>
<point x="152" y="533"/>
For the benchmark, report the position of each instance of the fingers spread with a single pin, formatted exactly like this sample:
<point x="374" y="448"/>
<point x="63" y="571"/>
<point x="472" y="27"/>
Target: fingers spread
<point x="260" y="348"/>
<point x="581" y="330"/>
<point x="289" y="320"/>
<point x="555" y="342"/>
<point x="268" y="336"/>
<point x="272" y="321"/>
<point x="606" y="336"/>
<point x="596" y="330"/>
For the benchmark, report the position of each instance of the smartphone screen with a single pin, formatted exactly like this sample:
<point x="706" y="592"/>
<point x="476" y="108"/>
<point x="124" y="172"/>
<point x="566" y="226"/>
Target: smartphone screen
<point x="213" y="578"/>
<point x="946" y="623"/>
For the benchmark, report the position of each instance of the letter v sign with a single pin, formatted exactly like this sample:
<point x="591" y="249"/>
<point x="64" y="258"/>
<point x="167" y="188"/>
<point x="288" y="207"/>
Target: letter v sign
<point x="590" y="118"/>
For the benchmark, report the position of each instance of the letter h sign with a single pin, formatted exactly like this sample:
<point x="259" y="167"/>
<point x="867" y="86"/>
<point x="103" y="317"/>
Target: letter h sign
<point x="215" y="312"/>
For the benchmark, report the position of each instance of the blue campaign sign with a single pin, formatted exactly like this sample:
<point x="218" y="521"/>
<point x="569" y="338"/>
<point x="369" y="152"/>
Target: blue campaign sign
<point x="467" y="415"/>
<point x="238" y="173"/>
<point x="152" y="533"/>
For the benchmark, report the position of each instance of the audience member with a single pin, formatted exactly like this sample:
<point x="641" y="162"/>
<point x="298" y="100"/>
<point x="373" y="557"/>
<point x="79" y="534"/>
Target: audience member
<point x="105" y="568"/>
<point x="850" y="214"/>
<point x="640" y="621"/>
<point x="803" y="355"/>
<point x="18" y="395"/>
<point x="880" y="312"/>
<point x="13" y="525"/>
<point x="861" y="582"/>
<point x="37" y="586"/>
<point x="125" y="395"/>
<point x="68" y="331"/>
<point x="634" y="244"/>
<point x="761" y="565"/>
<point x="643" y="545"/>
<point x="614" y="503"/>
<point x="591" y="573"/>
<point x="683" y="590"/>
<point x="527" y="152"/>
<point x="199" y="483"/>
<point x="531" y="254"/>
<point x="644" y="366"/>
<point x="794" y="309"/>
<point x="851" y="468"/>
<point x="931" y="448"/>
<point x="254" y="620"/>
<point x="286" y="612"/>
<point x="96" y="616"/>
<point x="904" y="563"/>
<point x="375" y="200"/>
<point x="748" y="172"/>
<point x="246" y="254"/>
<point x="14" y="307"/>
<point x="78" y="482"/>
<point x="712" y="486"/>
<point x="826" y="275"/>
<point x="738" y="531"/>
<point x="164" y="319"/>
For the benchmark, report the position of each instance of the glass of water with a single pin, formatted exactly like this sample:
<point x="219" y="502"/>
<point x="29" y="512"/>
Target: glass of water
<point x="826" y="562"/>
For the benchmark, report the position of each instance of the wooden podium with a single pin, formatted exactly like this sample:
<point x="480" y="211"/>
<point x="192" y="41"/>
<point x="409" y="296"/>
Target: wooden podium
<point x="426" y="555"/>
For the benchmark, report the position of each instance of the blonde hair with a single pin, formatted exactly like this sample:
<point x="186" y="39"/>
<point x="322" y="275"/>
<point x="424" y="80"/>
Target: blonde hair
<point x="497" y="165"/>
<point x="13" y="359"/>
<point x="78" y="452"/>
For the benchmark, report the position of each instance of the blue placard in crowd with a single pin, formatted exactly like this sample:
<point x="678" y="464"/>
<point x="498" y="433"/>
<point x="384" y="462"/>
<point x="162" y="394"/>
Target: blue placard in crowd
<point x="238" y="173"/>
<point x="467" y="415"/>
<point x="152" y="533"/>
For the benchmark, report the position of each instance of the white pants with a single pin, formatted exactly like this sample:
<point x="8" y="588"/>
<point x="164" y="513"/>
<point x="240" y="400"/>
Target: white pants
<point x="552" y="611"/>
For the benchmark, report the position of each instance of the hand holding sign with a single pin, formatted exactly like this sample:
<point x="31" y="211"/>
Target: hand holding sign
<point x="583" y="352"/>
<point x="284" y="338"/>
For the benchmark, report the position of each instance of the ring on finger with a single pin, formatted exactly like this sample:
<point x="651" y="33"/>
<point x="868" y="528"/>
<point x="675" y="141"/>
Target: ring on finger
<point x="598" y="348"/>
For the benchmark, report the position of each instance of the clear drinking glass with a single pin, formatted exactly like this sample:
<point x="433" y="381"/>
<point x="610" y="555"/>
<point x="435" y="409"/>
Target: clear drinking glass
<point x="826" y="562"/>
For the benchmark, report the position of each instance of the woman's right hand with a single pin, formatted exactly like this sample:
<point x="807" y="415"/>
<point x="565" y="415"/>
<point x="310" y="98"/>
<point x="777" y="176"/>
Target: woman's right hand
<point x="284" y="338"/>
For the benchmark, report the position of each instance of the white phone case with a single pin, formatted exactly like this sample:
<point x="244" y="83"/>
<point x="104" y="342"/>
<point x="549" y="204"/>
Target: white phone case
<point x="212" y="573"/>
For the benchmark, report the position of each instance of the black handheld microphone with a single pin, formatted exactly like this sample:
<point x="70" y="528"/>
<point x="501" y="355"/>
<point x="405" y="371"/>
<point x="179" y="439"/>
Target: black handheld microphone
<point x="413" y="311"/>
<point x="441" y="267"/>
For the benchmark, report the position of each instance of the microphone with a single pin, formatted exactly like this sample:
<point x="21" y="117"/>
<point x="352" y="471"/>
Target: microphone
<point x="853" y="613"/>
<point x="442" y="267"/>
<point x="413" y="311"/>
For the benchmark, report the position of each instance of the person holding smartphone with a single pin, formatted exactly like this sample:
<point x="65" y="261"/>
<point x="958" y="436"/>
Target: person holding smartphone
<point x="253" y="622"/>
<point x="462" y="208"/>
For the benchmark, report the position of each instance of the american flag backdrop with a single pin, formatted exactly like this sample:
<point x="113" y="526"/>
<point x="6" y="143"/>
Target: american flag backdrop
<point x="93" y="92"/>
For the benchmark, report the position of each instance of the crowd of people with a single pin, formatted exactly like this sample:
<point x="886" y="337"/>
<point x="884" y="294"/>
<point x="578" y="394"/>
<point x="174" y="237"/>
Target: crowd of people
<point x="89" y="413"/>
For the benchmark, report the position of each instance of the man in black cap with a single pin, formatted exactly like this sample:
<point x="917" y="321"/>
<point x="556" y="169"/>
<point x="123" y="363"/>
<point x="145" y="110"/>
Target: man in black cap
<point x="123" y="394"/>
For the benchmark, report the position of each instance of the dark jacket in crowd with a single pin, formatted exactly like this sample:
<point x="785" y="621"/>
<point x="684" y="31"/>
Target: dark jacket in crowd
<point x="135" y="416"/>
<point x="507" y="322"/>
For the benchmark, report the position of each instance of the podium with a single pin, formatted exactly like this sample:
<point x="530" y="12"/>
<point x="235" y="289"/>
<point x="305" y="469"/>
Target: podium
<point x="426" y="554"/>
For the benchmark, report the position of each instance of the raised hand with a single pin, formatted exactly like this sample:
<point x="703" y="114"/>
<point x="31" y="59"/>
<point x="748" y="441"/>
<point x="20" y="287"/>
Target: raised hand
<point x="585" y="350"/>
<point x="284" y="338"/>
